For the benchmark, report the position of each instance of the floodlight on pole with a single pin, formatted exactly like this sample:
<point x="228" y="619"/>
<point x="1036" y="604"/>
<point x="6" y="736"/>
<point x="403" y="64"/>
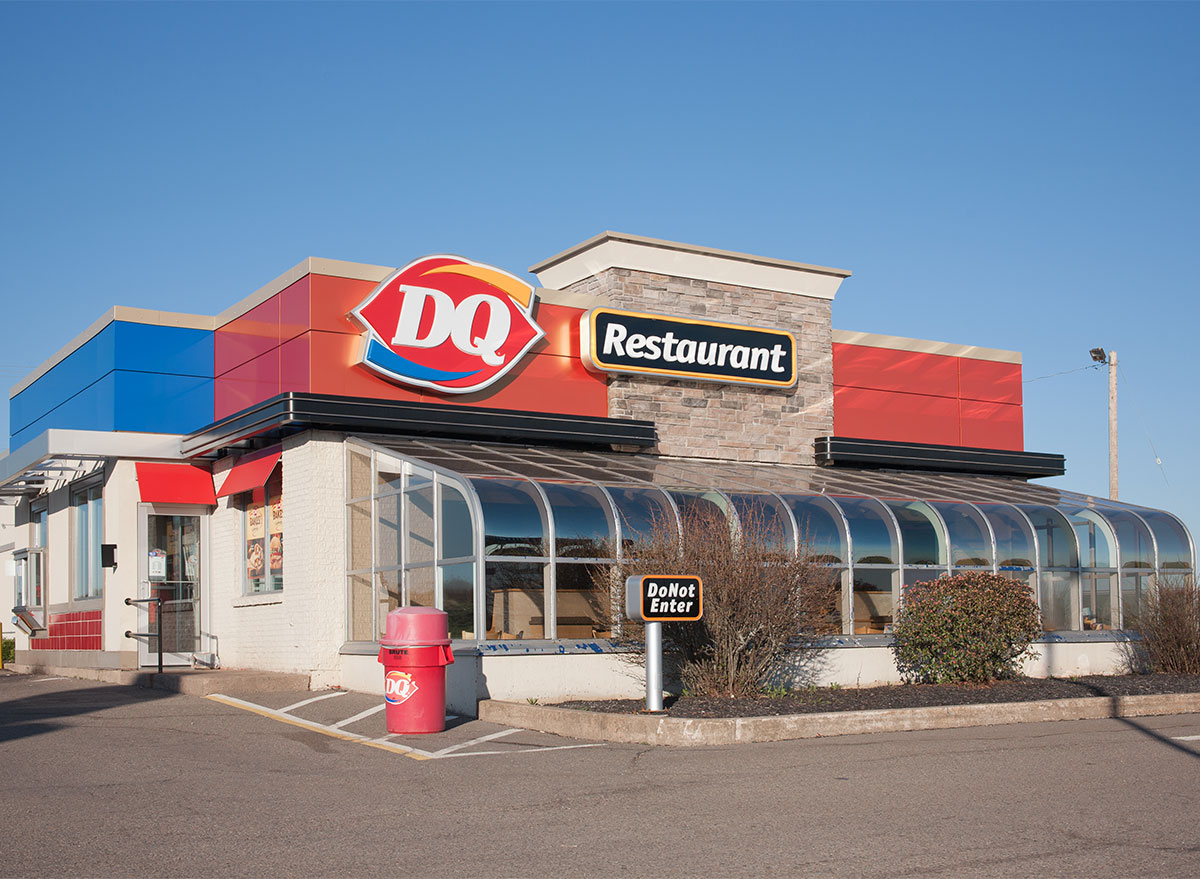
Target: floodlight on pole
<point x="1100" y="356"/>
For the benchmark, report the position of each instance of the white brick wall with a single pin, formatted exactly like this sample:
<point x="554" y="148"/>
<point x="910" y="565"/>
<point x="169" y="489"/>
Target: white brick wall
<point x="301" y="628"/>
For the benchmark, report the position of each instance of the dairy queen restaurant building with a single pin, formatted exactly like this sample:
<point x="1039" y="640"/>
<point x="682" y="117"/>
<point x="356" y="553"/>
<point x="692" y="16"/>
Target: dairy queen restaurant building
<point x="353" y="438"/>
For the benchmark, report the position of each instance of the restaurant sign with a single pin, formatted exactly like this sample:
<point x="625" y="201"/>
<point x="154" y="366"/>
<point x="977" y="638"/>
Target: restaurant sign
<point x="448" y="324"/>
<point x="651" y="344"/>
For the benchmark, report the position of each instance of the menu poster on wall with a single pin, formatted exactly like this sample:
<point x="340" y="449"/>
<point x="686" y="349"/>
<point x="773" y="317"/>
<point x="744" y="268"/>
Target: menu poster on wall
<point x="157" y="564"/>
<point x="255" y="563"/>
<point x="276" y="547"/>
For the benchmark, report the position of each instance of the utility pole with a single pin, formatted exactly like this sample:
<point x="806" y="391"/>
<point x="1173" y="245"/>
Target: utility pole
<point x="1100" y="356"/>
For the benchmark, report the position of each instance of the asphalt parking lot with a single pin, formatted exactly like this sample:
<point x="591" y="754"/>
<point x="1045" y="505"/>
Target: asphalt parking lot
<point x="360" y="718"/>
<point x="105" y="780"/>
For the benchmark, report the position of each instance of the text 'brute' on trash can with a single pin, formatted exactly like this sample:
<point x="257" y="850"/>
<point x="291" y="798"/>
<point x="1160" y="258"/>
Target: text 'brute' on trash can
<point x="415" y="650"/>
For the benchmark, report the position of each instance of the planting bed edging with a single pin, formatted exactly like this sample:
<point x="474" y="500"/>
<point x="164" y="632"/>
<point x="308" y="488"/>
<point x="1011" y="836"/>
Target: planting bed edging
<point x="659" y="730"/>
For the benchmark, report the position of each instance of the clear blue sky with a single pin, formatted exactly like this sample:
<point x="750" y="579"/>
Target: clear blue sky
<point x="1018" y="176"/>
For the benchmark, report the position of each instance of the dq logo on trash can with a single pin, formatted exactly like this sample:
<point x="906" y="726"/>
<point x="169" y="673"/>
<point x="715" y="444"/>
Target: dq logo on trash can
<point x="448" y="324"/>
<point x="398" y="687"/>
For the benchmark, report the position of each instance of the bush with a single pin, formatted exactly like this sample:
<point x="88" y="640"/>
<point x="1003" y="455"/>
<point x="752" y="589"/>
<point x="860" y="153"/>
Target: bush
<point x="1168" y="626"/>
<point x="760" y="600"/>
<point x="974" y="627"/>
<point x="8" y="650"/>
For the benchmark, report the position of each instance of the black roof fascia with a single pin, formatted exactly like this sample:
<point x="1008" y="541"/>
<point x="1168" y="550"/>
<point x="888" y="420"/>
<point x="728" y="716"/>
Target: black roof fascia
<point x="839" y="451"/>
<point x="293" y="412"/>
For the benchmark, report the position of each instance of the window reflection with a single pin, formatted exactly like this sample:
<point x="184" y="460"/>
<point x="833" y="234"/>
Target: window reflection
<point x="869" y="532"/>
<point x="641" y="511"/>
<point x="764" y="516"/>
<point x="458" y="532"/>
<point x="1137" y="549"/>
<point x="921" y="533"/>
<point x="512" y="518"/>
<point x="820" y="528"/>
<point x="1174" y="549"/>
<point x="515" y="600"/>
<point x="582" y="521"/>
<point x="970" y="543"/>
<point x="1056" y="541"/>
<point x="1014" y="542"/>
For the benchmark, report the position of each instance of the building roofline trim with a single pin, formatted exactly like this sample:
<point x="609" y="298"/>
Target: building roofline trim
<point x="656" y="256"/>
<point x="925" y="346"/>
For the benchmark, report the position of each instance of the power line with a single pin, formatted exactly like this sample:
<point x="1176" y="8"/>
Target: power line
<point x="1064" y="372"/>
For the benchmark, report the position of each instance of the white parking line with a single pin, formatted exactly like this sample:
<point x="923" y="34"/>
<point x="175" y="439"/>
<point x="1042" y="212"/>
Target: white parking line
<point x="315" y="699"/>
<point x="481" y="739"/>
<point x="383" y="743"/>
<point x="43" y="680"/>
<point x="375" y="709"/>
<point x="1186" y="738"/>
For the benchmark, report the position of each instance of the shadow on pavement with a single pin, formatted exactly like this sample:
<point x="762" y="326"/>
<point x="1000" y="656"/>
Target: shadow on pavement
<point x="34" y="715"/>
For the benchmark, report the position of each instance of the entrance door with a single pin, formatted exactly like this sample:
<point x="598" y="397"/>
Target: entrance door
<point x="171" y="567"/>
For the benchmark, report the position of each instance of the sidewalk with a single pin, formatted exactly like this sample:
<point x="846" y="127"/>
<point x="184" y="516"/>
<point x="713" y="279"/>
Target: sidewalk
<point x="189" y="681"/>
<point x="660" y="730"/>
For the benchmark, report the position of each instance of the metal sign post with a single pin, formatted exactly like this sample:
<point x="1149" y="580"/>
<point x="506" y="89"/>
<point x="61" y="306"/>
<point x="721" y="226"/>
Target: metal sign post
<point x="655" y="599"/>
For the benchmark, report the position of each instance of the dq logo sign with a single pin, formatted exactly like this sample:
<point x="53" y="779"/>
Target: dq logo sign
<point x="398" y="687"/>
<point x="447" y="323"/>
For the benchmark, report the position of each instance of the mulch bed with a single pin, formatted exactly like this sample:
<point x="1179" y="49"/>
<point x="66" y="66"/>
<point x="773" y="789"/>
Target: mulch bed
<point x="820" y="699"/>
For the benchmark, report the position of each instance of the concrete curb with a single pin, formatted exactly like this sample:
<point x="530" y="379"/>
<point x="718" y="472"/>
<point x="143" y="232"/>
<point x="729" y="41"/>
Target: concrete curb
<point x="651" y="730"/>
<point x="190" y="682"/>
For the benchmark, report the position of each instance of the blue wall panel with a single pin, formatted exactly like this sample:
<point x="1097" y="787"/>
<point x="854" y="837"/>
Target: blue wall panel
<point x="94" y="388"/>
<point x="162" y="403"/>
<point x="90" y="409"/>
<point x="84" y="366"/>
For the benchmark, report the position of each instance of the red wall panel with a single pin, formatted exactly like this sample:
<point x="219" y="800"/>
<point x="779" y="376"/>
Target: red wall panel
<point x="889" y="369"/>
<point x="332" y="299"/>
<point x="989" y="380"/>
<point x="246" y="385"/>
<point x="78" y="630"/>
<point x="244" y="338"/>
<point x="886" y="415"/>
<point x="992" y="425"/>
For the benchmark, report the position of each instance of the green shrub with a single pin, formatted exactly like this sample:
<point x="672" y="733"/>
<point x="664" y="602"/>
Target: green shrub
<point x="973" y="627"/>
<point x="1168" y="624"/>
<point x="8" y="650"/>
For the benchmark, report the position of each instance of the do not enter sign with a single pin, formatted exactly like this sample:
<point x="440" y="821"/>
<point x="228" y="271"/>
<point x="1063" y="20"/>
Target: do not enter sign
<point x="664" y="598"/>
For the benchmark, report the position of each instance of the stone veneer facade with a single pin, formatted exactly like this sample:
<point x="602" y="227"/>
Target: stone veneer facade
<point x="727" y="422"/>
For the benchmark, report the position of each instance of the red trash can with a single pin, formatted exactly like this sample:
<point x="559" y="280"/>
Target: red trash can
<point x="415" y="650"/>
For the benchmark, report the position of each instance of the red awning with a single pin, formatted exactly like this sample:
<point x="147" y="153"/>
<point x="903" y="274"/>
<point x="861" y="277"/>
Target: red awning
<point x="174" y="484"/>
<point x="250" y="472"/>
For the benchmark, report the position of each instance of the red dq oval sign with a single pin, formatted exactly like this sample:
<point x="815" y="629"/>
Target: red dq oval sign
<point x="448" y="324"/>
<point x="398" y="687"/>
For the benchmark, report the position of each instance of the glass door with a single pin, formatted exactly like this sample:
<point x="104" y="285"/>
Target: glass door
<point x="171" y="569"/>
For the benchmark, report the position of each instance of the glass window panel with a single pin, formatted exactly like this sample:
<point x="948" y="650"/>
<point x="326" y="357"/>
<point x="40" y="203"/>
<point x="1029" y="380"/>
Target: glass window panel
<point x="870" y="533"/>
<point x="388" y="597"/>
<point x="1029" y="578"/>
<point x="641" y="511"/>
<point x="1014" y="543"/>
<point x="1096" y="601"/>
<point x="1056" y="540"/>
<point x="583" y="525"/>
<point x="820" y="527"/>
<point x="582" y="609"/>
<point x="921" y="533"/>
<point x="358" y="477"/>
<point x="1137" y="550"/>
<point x="419" y="590"/>
<point x="360" y="597"/>
<point x="515" y="599"/>
<point x="513" y="524"/>
<point x="872" y="600"/>
<point x="458" y="529"/>
<point x="418" y="507"/>
<point x="765" y="513"/>
<point x="1174" y="549"/>
<point x="1133" y="594"/>
<point x="359" y="550"/>
<point x="458" y="598"/>
<point x="388" y="540"/>
<point x="419" y="477"/>
<point x="1057" y="612"/>
<point x="389" y="475"/>
<point x="1094" y="536"/>
<point x="701" y="504"/>
<point x="914" y="575"/>
<point x="970" y="543"/>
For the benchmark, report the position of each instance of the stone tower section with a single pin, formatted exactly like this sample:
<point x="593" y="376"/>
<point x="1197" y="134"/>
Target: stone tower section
<point x="702" y="419"/>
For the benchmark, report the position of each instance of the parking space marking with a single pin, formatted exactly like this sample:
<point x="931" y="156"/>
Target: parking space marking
<point x="43" y="680"/>
<point x="362" y="715"/>
<point x="384" y="743"/>
<point x="304" y="702"/>
<point x="478" y="741"/>
<point x="321" y="728"/>
<point x="1186" y="738"/>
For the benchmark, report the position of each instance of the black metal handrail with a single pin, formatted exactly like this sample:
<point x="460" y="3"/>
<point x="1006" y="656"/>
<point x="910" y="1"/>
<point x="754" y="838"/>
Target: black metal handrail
<point x="159" y="604"/>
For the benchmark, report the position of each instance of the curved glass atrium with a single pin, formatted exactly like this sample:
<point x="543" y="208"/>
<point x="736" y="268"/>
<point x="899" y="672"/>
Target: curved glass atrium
<point x="506" y="538"/>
